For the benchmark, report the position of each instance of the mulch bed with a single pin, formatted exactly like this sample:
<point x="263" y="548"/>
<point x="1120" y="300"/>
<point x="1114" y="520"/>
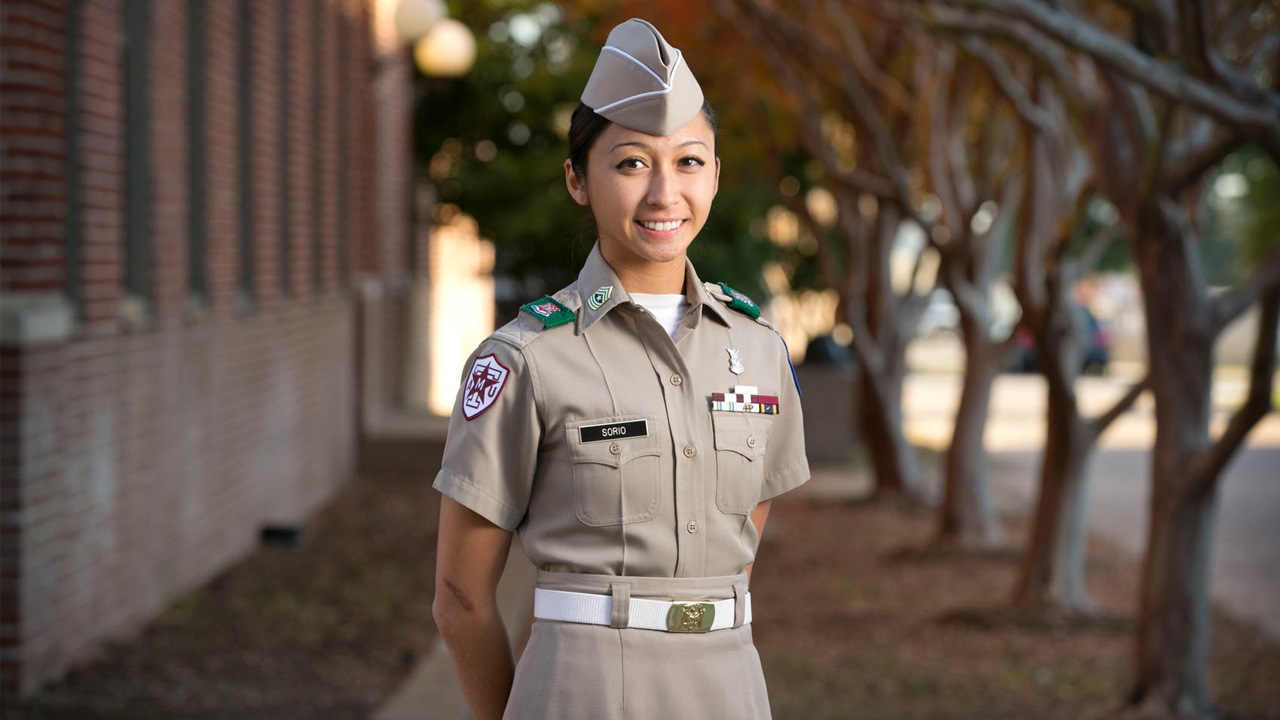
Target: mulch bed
<point x="325" y="630"/>
<point x="851" y="623"/>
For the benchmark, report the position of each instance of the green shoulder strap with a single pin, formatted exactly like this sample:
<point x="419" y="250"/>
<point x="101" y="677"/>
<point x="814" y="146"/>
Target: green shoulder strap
<point x="549" y="311"/>
<point x="740" y="302"/>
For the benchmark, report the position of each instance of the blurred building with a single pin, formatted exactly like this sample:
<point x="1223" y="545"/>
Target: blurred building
<point x="207" y="260"/>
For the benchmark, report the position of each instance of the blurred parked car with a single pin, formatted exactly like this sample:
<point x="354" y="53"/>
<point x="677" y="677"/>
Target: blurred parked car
<point x="1097" y="346"/>
<point x="940" y="314"/>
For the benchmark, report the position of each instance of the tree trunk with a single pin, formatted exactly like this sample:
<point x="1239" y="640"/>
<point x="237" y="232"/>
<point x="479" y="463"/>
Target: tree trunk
<point x="1173" y="627"/>
<point x="967" y="517"/>
<point x="893" y="459"/>
<point x="1052" y="570"/>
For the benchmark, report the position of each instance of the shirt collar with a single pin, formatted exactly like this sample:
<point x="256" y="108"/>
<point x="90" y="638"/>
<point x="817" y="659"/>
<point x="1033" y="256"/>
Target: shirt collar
<point x="600" y="291"/>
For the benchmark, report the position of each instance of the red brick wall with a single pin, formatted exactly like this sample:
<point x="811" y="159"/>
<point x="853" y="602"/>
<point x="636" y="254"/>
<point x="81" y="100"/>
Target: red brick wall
<point x="32" y="110"/>
<point x="138" y="460"/>
<point x="102" y="167"/>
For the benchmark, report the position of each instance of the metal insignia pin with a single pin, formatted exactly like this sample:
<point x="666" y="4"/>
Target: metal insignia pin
<point x="600" y="297"/>
<point x="735" y="362"/>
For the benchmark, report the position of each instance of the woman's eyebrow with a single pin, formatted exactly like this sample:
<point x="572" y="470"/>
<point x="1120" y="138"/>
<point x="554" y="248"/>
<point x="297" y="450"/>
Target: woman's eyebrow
<point x="645" y="146"/>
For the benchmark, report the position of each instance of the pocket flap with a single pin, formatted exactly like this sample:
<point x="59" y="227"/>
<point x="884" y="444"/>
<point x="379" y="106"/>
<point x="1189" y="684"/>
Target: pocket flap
<point x="740" y="433"/>
<point x="616" y="449"/>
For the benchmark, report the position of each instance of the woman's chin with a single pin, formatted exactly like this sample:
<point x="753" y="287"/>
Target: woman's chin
<point x="659" y="252"/>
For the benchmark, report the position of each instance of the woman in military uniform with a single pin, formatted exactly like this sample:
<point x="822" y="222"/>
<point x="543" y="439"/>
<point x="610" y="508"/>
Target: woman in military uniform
<point x="632" y="428"/>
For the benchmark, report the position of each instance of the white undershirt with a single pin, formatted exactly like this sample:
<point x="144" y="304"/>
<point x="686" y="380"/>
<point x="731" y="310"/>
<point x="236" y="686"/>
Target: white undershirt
<point x="666" y="309"/>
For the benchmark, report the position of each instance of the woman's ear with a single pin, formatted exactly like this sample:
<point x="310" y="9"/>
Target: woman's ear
<point x="577" y="186"/>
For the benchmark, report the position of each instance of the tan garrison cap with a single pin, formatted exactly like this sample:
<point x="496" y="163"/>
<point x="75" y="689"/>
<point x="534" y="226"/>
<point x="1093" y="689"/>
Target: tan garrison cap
<point x="641" y="82"/>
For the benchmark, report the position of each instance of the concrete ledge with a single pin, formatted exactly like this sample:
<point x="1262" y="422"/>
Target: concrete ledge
<point x="32" y="318"/>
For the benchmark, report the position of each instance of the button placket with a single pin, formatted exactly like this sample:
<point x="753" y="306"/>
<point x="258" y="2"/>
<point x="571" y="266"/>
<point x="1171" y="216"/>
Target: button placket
<point x="683" y="410"/>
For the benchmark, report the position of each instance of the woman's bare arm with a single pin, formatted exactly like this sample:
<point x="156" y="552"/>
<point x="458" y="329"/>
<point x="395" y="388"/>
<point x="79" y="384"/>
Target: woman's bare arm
<point x="758" y="517"/>
<point x="470" y="555"/>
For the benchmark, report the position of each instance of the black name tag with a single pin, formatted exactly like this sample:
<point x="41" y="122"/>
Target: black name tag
<point x="613" y="431"/>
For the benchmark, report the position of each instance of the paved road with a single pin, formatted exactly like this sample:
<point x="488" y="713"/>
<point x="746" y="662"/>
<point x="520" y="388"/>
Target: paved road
<point x="1246" y="552"/>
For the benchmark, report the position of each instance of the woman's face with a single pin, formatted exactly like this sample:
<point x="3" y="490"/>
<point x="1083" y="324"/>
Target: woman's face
<point x="650" y="194"/>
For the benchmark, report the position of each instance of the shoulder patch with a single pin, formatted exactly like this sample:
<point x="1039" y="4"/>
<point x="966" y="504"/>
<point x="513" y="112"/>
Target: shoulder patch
<point x="486" y="379"/>
<point x="736" y="300"/>
<point x="549" y="311"/>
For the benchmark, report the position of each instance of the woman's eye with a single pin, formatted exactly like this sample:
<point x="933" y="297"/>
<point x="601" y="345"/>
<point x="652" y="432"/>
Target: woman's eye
<point x="631" y="164"/>
<point x="692" y="161"/>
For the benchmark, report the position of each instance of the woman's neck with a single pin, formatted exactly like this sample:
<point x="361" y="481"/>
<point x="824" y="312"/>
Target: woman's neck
<point x="651" y="278"/>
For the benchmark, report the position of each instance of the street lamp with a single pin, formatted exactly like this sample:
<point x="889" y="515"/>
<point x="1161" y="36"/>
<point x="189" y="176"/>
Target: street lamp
<point x="442" y="46"/>
<point x="414" y="18"/>
<point x="447" y="50"/>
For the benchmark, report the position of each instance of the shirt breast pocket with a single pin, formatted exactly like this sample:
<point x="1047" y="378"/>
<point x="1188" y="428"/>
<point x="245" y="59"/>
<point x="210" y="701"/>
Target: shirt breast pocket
<point x="740" y="446"/>
<point x="615" y="478"/>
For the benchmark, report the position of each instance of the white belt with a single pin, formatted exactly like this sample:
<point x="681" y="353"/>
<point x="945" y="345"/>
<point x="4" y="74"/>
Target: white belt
<point x="642" y="613"/>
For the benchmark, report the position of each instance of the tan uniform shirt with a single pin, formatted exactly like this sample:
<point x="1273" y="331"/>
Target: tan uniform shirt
<point x="597" y="439"/>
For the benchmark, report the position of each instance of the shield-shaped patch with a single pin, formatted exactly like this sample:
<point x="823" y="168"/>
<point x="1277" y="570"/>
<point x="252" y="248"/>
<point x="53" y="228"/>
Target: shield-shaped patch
<point x="484" y="382"/>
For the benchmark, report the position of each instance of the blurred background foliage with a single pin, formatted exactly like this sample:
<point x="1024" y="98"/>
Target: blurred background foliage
<point x="1242" y="214"/>
<point x="493" y="144"/>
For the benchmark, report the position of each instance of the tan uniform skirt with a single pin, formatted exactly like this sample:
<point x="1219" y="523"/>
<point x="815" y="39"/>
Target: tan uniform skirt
<point x="571" y="670"/>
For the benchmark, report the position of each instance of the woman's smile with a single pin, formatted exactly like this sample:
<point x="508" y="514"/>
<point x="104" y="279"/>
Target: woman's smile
<point x="661" y="227"/>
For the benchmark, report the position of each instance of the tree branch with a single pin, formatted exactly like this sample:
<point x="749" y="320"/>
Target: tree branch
<point x="1099" y="424"/>
<point x="1210" y="464"/>
<point x="810" y="114"/>
<point x="856" y="49"/>
<point x="1097" y="244"/>
<point x="1011" y="87"/>
<point x="1196" y="154"/>
<point x="941" y="157"/>
<point x="1259" y="118"/>
<point x="1229" y="306"/>
<point x="1191" y="38"/>
<point x="1047" y="54"/>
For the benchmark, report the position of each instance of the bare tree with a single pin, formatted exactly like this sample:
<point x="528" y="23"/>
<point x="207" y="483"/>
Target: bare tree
<point x="1056" y="191"/>
<point x="856" y="145"/>
<point x="971" y="160"/>
<point x="907" y="106"/>
<point x="1169" y="109"/>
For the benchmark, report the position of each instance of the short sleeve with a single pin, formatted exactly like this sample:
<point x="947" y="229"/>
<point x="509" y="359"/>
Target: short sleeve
<point x="491" y="451"/>
<point x="786" y="465"/>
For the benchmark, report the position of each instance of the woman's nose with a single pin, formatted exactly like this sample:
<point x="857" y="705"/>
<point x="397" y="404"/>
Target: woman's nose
<point x="662" y="189"/>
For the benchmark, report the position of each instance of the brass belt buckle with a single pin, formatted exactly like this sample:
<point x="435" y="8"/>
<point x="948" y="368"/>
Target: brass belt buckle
<point x="690" y="617"/>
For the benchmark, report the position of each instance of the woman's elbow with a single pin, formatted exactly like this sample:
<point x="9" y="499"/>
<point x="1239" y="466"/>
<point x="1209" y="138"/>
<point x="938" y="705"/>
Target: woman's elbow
<point x="454" y="610"/>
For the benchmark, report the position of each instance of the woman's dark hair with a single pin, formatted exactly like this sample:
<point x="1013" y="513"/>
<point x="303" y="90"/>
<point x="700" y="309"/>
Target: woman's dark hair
<point x="585" y="126"/>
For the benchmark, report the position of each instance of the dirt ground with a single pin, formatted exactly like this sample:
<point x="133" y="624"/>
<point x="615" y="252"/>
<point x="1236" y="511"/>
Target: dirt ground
<point x="851" y="620"/>
<point x="325" y="630"/>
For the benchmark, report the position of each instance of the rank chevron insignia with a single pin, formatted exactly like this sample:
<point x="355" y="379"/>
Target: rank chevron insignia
<point x="600" y="297"/>
<point x="549" y="311"/>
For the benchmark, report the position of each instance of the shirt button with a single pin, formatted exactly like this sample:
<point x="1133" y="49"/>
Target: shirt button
<point x="693" y="526"/>
<point x="615" y="448"/>
<point x="676" y="380"/>
<point x="751" y="441"/>
<point x="690" y="451"/>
